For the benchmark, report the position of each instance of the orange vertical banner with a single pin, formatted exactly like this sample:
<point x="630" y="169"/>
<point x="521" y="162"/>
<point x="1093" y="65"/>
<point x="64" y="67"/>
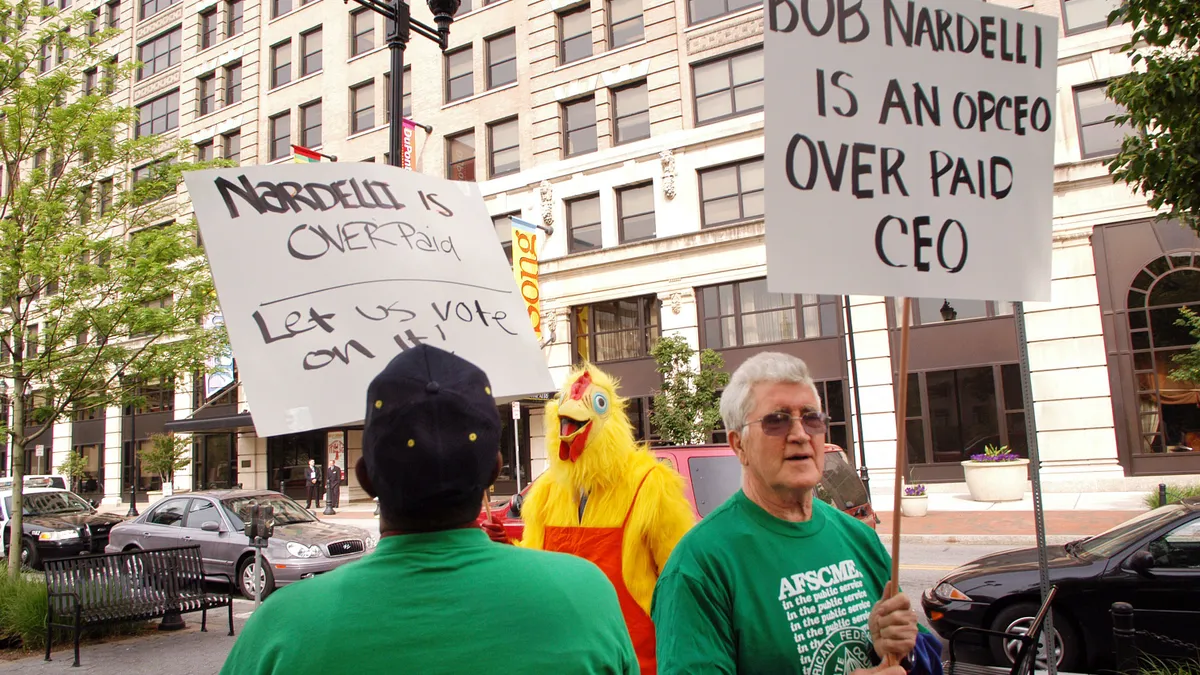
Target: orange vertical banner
<point x="525" y="270"/>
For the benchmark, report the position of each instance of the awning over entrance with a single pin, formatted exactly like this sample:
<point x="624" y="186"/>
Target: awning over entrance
<point x="223" y="424"/>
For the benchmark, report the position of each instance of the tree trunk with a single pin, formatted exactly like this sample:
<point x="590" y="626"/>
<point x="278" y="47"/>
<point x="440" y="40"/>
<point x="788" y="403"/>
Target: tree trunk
<point x="17" y="433"/>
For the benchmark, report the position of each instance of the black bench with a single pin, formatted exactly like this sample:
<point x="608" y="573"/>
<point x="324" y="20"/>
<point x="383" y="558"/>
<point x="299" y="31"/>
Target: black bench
<point x="1026" y="655"/>
<point x="133" y="586"/>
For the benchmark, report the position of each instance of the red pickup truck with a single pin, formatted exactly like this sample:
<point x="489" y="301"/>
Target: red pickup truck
<point x="712" y="473"/>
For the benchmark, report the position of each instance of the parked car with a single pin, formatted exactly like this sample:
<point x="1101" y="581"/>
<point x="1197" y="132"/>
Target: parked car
<point x="56" y="523"/>
<point x="712" y="473"/>
<point x="41" y="480"/>
<point x="1151" y="562"/>
<point x="302" y="546"/>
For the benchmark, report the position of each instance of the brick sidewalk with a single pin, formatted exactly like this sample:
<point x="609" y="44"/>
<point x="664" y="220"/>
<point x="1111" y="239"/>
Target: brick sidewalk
<point x="1006" y="523"/>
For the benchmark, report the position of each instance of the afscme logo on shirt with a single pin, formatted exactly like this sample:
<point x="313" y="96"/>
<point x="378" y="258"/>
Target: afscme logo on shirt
<point x="817" y="579"/>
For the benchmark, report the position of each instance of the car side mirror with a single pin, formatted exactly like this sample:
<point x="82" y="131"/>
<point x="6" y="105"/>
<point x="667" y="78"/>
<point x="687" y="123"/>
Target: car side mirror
<point x="211" y="526"/>
<point x="95" y="503"/>
<point x="514" y="506"/>
<point x="1142" y="562"/>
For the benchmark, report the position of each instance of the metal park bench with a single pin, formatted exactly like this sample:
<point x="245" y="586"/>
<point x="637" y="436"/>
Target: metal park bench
<point x="133" y="586"/>
<point x="1026" y="656"/>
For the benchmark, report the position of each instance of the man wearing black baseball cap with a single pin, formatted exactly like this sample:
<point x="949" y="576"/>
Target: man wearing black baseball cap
<point x="436" y="595"/>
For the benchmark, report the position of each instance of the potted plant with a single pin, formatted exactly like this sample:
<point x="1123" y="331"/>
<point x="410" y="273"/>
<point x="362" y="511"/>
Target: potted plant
<point x="914" y="503"/>
<point x="997" y="475"/>
<point x="165" y="455"/>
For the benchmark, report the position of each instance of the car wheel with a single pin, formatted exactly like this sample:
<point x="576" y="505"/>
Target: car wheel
<point x="1016" y="619"/>
<point x="248" y="577"/>
<point x="29" y="555"/>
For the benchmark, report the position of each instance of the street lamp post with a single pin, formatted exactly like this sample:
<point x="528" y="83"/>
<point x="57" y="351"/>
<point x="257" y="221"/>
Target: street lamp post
<point x="134" y="462"/>
<point x="403" y="25"/>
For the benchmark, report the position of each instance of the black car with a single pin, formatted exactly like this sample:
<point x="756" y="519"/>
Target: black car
<point x="1151" y="562"/>
<point x="56" y="524"/>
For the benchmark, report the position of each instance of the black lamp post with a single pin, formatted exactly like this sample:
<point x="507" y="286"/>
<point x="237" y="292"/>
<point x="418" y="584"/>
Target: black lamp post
<point x="948" y="312"/>
<point x="135" y="462"/>
<point x="403" y="25"/>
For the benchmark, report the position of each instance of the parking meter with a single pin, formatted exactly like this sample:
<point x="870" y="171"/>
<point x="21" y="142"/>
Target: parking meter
<point x="259" y="527"/>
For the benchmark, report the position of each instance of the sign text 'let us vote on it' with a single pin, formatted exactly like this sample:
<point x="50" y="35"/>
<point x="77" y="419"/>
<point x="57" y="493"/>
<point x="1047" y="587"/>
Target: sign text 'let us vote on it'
<point x="326" y="271"/>
<point x="910" y="148"/>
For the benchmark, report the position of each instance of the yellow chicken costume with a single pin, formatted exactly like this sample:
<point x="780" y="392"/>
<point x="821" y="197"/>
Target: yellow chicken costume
<point x="606" y="498"/>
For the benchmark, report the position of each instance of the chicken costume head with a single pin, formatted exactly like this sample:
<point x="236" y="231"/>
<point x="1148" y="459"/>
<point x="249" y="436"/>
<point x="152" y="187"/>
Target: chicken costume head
<point x="588" y="432"/>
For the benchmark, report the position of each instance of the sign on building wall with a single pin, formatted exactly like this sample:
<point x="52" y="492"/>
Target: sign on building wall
<point x="909" y="148"/>
<point x="219" y="368"/>
<point x="327" y="271"/>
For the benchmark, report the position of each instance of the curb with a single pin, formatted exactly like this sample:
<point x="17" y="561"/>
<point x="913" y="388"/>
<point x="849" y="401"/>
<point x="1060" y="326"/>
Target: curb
<point x="1016" y="540"/>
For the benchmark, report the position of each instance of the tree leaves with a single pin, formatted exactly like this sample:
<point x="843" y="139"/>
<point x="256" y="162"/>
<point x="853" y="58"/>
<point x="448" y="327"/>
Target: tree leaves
<point x="688" y="406"/>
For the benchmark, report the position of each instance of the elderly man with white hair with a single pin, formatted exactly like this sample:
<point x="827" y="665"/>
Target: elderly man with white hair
<point x="774" y="581"/>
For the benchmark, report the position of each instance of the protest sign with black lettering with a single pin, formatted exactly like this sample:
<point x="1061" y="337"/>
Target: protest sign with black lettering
<point x="910" y="148"/>
<point x="326" y="271"/>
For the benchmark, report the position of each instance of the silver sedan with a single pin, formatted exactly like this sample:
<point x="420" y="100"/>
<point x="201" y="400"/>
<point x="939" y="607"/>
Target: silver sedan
<point x="302" y="546"/>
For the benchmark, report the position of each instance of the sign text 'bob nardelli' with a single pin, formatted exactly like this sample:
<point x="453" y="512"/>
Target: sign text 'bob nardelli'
<point x="910" y="148"/>
<point x="326" y="271"/>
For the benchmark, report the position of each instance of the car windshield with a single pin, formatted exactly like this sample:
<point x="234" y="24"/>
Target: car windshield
<point x="714" y="480"/>
<point x="1109" y="543"/>
<point x="287" y="511"/>
<point x="50" y="503"/>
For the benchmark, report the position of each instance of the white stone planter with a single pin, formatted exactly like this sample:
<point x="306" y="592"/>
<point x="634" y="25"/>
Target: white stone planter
<point x="915" y="506"/>
<point x="996" y="481"/>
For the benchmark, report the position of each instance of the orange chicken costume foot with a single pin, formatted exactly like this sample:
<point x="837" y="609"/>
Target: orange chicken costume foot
<point x="607" y="499"/>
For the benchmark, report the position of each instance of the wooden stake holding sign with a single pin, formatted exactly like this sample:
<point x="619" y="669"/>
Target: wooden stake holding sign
<point x="901" y="414"/>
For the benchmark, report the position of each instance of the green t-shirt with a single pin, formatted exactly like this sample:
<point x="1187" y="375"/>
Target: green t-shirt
<point x="745" y="592"/>
<point x="448" y="602"/>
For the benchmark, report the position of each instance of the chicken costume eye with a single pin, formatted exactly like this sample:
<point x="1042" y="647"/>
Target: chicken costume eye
<point x="600" y="403"/>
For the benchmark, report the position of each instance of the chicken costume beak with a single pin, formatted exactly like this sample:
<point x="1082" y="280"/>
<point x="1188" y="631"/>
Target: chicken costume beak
<point x="574" y="426"/>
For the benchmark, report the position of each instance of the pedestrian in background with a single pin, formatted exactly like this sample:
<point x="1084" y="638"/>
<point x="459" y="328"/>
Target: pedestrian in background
<point x="334" y="477"/>
<point x="312" y="484"/>
<point x="437" y="596"/>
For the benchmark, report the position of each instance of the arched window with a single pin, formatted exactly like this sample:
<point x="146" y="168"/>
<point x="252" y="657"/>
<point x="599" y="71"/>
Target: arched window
<point x="1168" y="409"/>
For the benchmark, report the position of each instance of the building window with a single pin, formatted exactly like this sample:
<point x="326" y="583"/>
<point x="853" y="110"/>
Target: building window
<point x="729" y="86"/>
<point x="744" y="313"/>
<point x="632" y="113"/>
<point x="460" y="75"/>
<point x="362" y="107"/>
<point x="44" y="57"/>
<point x="205" y="151"/>
<point x="233" y="83"/>
<point x="112" y="15"/>
<point x="280" y="7"/>
<point x="579" y="126"/>
<point x="208" y="28"/>
<point x="31" y="340"/>
<point x="154" y="396"/>
<point x="625" y="23"/>
<point x="231" y="146"/>
<point x="703" y="10"/>
<point x="932" y="311"/>
<point x="406" y="110"/>
<point x="310" y="50"/>
<point x="953" y="414"/>
<point x="1084" y="15"/>
<point x="152" y="7"/>
<point x="464" y="7"/>
<point x="460" y="153"/>
<point x="833" y="397"/>
<point x="207" y="93"/>
<point x="233" y="17"/>
<point x="731" y="193"/>
<point x="635" y="213"/>
<point x="310" y="124"/>
<point x="281" y="64"/>
<point x="617" y="330"/>
<point x="583" y="223"/>
<point x="91" y="80"/>
<point x="503" y="226"/>
<point x="158" y="115"/>
<point x="362" y="32"/>
<point x="160" y="53"/>
<point x="504" y="148"/>
<point x="281" y="136"/>
<point x="502" y="59"/>
<point x="105" y="198"/>
<point x="575" y="34"/>
<point x="1098" y="135"/>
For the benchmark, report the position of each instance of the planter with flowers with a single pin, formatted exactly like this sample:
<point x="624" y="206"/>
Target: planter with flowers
<point x="914" y="503"/>
<point x="997" y="475"/>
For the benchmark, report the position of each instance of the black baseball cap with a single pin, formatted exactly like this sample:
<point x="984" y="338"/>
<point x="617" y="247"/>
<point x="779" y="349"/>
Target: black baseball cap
<point x="432" y="432"/>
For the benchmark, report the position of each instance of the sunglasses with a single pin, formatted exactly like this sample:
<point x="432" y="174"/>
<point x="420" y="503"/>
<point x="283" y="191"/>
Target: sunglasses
<point x="780" y="423"/>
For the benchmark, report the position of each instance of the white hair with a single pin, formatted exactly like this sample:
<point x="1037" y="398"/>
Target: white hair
<point x="737" y="400"/>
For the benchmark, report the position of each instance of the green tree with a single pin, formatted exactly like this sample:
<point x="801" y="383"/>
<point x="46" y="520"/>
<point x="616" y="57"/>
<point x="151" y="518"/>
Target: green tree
<point x="1189" y="361"/>
<point x="74" y="466"/>
<point x="687" y="407"/>
<point x="165" y="455"/>
<point x="101" y="288"/>
<point x="1161" y="155"/>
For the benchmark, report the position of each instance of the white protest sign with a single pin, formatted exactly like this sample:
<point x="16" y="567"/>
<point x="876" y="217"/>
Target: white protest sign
<point x="910" y="148"/>
<point x="326" y="271"/>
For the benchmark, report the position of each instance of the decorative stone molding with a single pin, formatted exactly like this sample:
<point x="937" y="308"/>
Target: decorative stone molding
<point x="156" y="85"/>
<point x="157" y="23"/>
<point x="668" y="174"/>
<point x="676" y="299"/>
<point x="725" y="35"/>
<point x="547" y="194"/>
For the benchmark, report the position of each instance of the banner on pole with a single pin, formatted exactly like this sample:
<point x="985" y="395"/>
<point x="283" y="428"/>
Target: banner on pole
<point x="326" y="271"/>
<point x="525" y="270"/>
<point x="909" y="149"/>
<point x="407" y="138"/>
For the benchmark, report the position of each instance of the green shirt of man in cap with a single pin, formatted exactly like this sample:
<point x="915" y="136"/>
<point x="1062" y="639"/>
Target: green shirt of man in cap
<point x="437" y="596"/>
